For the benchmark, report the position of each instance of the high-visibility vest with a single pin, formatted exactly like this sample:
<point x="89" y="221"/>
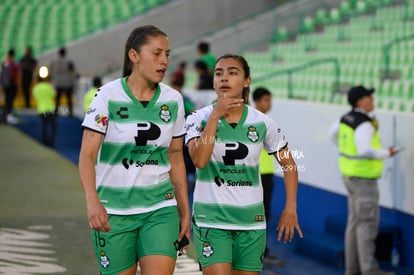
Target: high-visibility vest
<point x="350" y="163"/>
<point x="267" y="163"/>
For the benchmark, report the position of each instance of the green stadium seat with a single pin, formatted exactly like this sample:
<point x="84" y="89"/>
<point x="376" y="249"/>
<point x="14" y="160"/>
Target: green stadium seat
<point x="282" y="34"/>
<point x="335" y="16"/>
<point x="60" y="21"/>
<point x="321" y="18"/>
<point x="361" y="7"/>
<point x="345" y="9"/>
<point x="308" y="25"/>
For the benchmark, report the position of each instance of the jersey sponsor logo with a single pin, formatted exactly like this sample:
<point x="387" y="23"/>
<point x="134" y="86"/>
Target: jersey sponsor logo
<point x="165" y="113"/>
<point x="122" y="113"/>
<point x="218" y="181"/>
<point x="146" y="131"/>
<point x="231" y="183"/>
<point x="142" y="151"/>
<point x="235" y="150"/>
<point x="130" y="162"/>
<point x="232" y="171"/>
<point x="252" y="134"/>
<point x="239" y="183"/>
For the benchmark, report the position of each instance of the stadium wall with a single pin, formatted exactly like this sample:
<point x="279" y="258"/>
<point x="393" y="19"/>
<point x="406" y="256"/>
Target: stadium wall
<point x="321" y="191"/>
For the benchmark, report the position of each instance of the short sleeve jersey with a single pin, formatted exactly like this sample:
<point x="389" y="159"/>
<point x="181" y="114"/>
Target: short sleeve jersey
<point x="132" y="169"/>
<point x="228" y="192"/>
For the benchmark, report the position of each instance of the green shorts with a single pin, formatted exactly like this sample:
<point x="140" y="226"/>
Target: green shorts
<point x="134" y="236"/>
<point x="244" y="249"/>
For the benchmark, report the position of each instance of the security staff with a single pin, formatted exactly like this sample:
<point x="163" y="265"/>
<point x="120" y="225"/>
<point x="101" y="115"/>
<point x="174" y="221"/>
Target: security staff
<point x="361" y="163"/>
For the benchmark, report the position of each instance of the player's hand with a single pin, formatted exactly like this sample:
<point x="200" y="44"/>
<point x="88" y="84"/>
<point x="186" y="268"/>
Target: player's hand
<point x="225" y="104"/>
<point x="98" y="217"/>
<point x="184" y="229"/>
<point x="288" y="222"/>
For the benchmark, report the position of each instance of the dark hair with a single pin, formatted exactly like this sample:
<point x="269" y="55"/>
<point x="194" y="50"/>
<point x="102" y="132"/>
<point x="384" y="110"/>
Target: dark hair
<point x="200" y="64"/>
<point x="62" y="51"/>
<point x="137" y="38"/>
<point x="97" y="82"/>
<point x="182" y="64"/>
<point x="259" y="92"/>
<point x="246" y="69"/>
<point x="11" y="52"/>
<point x="203" y="47"/>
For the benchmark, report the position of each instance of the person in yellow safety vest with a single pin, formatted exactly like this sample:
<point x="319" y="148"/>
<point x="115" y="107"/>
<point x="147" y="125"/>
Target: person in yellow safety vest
<point x="45" y="97"/>
<point x="361" y="163"/>
<point x="90" y="94"/>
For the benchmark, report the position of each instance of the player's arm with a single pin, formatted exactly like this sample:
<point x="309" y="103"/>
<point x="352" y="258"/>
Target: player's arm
<point x="179" y="181"/>
<point x="288" y="221"/>
<point x="201" y="148"/>
<point x="97" y="216"/>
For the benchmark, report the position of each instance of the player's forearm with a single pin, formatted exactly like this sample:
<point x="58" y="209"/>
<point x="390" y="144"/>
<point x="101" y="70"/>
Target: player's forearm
<point x="88" y="178"/>
<point x="202" y="147"/>
<point x="291" y="187"/>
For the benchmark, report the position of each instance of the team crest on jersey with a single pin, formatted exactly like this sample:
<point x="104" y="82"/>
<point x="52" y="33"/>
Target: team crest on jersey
<point x="104" y="259"/>
<point x="165" y="113"/>
<point x="101" y="120"/>
<point x="252" y="134"/>
<point x="207" y="249"/>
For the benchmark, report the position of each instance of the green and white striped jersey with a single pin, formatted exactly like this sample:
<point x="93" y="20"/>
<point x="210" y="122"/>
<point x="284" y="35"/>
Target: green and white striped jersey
<point x="132" y="169"/>
<point x="228" y="192"/>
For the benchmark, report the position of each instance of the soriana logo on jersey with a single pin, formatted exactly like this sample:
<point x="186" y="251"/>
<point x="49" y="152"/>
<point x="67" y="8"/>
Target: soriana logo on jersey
<point x="101" y="121"/>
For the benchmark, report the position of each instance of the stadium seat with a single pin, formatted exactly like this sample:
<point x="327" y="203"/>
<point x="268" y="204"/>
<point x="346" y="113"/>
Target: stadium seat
<point x="48" y="24"/>
<point x="361" y="55"/>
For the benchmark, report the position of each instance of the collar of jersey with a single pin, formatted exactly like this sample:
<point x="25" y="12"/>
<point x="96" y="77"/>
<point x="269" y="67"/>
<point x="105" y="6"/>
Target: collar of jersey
<point x="136" y="101"/>
<point x="241" y="121"/>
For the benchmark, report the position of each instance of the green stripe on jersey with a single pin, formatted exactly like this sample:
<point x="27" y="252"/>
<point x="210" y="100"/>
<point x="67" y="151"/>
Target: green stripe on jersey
<point x="129" y="153"/>
<point x="251" y="133"/>
<point x="136" y="196"/>
<point x="226" y="214"/>
<point x="130" y="112"/>
<point x="234" y="173"/>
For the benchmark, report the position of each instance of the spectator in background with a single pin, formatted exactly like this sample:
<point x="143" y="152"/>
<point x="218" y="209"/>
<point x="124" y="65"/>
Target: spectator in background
<point x="63" y="75"/>
<point x="262" y="99"/>
<point x="87" y="99"/>
<point x="9" y="78"/>
<point x="177" y="82"/>
<point x="361" y="163"/>
<point x="205" y="79"/>
<point x="45" y="94"/>
<point x="203" y="49"/>
<point x="178" y="76"/>
<point x="27" y="68"/>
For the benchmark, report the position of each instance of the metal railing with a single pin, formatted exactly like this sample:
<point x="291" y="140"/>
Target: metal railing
<point x="290" y="72"/>
<point x="386" y="51"/>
